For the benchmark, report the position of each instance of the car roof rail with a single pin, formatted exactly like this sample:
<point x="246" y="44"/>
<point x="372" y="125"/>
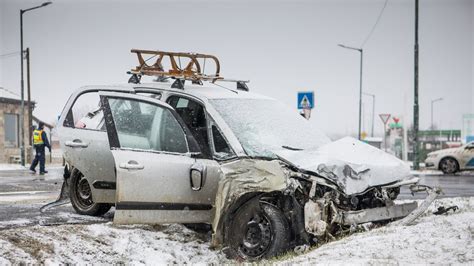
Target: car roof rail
<point x="241" y="84"/>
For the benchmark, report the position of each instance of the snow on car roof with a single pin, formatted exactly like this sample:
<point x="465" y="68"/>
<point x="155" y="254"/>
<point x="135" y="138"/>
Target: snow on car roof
<point x="208" y="90"/>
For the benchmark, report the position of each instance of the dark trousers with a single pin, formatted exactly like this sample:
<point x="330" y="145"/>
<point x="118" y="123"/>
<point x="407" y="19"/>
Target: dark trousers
<point x="39" y="157"/>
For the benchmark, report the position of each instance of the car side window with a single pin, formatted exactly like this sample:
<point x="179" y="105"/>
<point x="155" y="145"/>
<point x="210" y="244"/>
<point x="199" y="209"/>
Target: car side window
<point x="222" y="150"/>
<point x="193" y="115"/>
<point x="146" y="126"/>
<point x="86" y="113"/>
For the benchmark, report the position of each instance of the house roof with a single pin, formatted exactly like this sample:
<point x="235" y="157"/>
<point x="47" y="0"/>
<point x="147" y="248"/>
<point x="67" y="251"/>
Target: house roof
<point x="6" y="93"/>
<point x="8" y="96"/>
<point x="37" y="120"/>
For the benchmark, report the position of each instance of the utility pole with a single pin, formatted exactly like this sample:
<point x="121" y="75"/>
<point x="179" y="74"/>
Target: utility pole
<point x="30" y="107"/>
<point x="360" y="83"/>
<point x="22" y="111"/>
<point x="416" y="159"/>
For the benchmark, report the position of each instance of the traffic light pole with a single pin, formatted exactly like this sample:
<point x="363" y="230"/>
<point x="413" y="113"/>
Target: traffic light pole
<point x="416" y="159"/>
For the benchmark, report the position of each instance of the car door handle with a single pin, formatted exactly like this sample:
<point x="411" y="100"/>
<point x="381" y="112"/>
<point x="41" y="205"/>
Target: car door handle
<point x="131" y="165"/>
<point x="77" y="143"/>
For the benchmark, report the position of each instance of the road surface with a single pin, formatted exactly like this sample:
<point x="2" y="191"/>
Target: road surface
<point x="459" y="185"/>
<point x="22" y="194"/>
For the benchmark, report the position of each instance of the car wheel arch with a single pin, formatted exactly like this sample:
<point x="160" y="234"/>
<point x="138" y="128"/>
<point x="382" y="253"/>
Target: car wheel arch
<point x="269" y="198"/>
<point x="73" y="171"/>
<point x="261" y="201"/>
<point x="222" y="230"/>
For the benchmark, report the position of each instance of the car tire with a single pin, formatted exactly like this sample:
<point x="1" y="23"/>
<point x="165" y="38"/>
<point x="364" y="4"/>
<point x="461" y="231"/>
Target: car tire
<point x="449" y="165"/>
<point x="257" y="232"/>
<point x="81" y="197"/>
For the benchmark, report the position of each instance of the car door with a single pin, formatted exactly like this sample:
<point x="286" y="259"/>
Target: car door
<point x="160" y="175"/>
<point x="468" y="156"/>
<point x="85" y="145"/>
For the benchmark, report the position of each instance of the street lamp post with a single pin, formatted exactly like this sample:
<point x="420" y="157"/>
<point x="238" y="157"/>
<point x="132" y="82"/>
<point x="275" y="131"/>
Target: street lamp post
<point x="373" y="112"/>
<point x="22" y="111"/>
<point x="416" y="107"/>
<point x="432" y="102"/>
<point x="360" y="79"/>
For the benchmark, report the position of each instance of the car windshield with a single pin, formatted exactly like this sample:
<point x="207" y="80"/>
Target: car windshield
<point x="265" y="125"/>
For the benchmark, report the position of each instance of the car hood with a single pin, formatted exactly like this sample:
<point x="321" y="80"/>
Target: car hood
<point x="445" y="151"/>
<point x="353" y="165"/>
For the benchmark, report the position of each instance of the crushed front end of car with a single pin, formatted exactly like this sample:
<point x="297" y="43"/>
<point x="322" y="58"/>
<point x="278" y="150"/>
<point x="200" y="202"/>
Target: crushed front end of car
<point x="320" y="198"/>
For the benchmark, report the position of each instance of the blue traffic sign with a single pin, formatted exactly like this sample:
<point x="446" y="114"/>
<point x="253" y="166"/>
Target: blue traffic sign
<point x="305" y="100"/>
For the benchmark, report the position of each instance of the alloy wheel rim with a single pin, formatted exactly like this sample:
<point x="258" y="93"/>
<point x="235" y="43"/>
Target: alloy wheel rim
<point x="84" y="193"/>
<point x="449" y="165"/>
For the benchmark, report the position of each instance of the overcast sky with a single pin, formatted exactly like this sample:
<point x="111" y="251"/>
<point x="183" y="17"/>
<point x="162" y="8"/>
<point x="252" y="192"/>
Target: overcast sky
<point x="282" y="47"/>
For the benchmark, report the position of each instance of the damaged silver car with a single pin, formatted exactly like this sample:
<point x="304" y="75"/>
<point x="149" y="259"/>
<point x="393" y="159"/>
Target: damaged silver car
<point x="198" y="151"/>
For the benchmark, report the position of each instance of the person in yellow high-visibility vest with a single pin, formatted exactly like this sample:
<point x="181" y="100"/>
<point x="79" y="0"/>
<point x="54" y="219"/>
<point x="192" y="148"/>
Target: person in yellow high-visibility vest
<point x="40" y="141"/>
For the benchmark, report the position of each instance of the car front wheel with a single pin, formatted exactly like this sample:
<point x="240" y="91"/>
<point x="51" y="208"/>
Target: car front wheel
<point x="81" y="198"/>
<point x="258" y="232"/>
<point x="449" y="165"/>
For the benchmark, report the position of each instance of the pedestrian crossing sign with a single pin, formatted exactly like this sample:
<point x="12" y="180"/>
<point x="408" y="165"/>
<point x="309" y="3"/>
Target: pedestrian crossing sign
<point x="305" y="100"/>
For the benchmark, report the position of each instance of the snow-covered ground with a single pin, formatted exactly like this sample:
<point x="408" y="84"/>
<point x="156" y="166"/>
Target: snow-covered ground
<point x="105" y="244"/>
<point x="10" y="167"/>
<point x="443" y="239"/>
<point x="433" y="239"/>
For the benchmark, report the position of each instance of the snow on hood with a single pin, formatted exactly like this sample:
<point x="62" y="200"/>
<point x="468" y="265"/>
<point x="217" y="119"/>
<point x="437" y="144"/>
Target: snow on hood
<point x="352" y="164"/>
<point x="447" y="151"/>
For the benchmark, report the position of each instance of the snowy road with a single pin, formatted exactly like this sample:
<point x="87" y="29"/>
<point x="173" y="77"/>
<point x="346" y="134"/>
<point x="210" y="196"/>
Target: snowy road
<point x="61" y="236"/>
<point x="459" y="185"/>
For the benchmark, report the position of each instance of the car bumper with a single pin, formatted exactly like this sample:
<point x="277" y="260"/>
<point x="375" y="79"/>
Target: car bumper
<point x="431" y="163"/>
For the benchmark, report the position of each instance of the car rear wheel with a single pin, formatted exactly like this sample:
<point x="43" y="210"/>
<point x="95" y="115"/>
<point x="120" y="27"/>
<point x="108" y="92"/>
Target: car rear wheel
<point x="449" y="165"/>
<point x="258" y="232"/>
<point x="81" y="198"/>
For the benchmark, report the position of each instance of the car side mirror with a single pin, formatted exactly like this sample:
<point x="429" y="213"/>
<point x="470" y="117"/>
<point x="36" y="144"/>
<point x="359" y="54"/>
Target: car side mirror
<point x="197" y="176"/>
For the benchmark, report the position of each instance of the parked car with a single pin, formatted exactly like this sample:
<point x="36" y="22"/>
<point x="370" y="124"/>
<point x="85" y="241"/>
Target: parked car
<point x="452" y="160"/>
<point x="198" y="151"/>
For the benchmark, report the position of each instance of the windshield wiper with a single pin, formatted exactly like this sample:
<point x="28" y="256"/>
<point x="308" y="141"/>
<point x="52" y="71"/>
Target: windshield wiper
<point x="291" y="148"/>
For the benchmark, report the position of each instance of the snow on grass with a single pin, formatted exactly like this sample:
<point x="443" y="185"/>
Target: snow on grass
<point x="106" y="243"/>
<point x="443" y="239"/>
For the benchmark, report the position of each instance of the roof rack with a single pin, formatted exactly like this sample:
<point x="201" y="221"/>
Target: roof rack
<point x="192" y="71"/>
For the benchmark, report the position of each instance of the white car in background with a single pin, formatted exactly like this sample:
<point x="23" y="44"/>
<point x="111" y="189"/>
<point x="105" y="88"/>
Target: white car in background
<point x="452" y="160"/>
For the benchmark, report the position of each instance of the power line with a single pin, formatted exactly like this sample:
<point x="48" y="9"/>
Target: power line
<point x="9" y="91"/>
<point x="375" y="25"/>
<point x="10" y="54"/>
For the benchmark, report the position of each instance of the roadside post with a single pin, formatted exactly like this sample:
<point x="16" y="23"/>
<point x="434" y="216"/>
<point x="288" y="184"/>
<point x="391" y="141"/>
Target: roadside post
<point x="305" y="102"/>
<point x="385" y="118"/>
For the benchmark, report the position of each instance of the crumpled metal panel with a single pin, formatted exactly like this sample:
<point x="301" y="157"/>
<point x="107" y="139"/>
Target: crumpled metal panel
<point x="242" y="177"/>
<point x="378" y="214"/>
<point x="353" y="165"/>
